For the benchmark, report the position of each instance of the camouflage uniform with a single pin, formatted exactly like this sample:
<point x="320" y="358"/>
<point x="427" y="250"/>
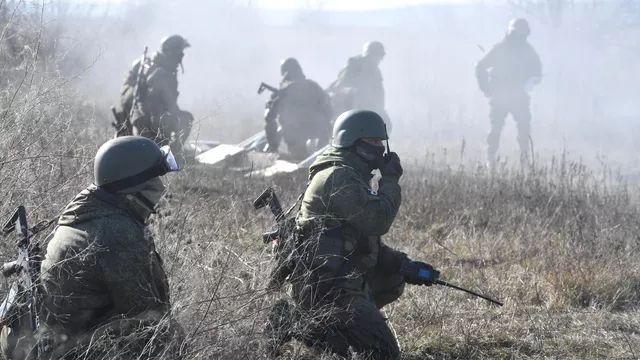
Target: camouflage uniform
<point x="511" y="65"/>
<point x="342" y="217"/>
<point x="158" y="116"/>
<point x="360" y="86"/>
<point x="128" y="87"/>
<point x="105" y="292"/>
<point x="303" y="110"/>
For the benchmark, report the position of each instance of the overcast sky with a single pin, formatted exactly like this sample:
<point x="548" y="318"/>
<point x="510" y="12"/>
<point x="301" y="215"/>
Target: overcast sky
<point x="346" y="4"/>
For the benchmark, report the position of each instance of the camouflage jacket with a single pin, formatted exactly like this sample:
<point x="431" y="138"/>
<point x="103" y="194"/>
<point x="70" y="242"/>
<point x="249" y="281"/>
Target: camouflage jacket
<point x="363" y="82"/>
<point x="128" y="86"/>
<point x="101" y="274"/>
<point x="508" y="67"/>
<point x="300" y="102"/>
<point x="161" y="90"/>
<point x="339" y="208"/>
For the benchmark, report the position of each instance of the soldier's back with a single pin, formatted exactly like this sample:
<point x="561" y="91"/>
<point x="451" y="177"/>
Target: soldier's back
<point x="94" y="272"/>
<point x="71" y="265"/>
<point x="512" y="64"/>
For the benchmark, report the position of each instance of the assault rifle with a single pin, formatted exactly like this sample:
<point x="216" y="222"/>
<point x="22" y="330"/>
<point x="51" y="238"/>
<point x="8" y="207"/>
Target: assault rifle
<point x="272" y="130"/>
<point x="140" y="82"/>
<point x="283" y="238"/>
<point x="269" y="197"/>
<point x="123" y="121"/>
<point x="121" y="124"/>
<point x="264" y="87"/>
<point x="27" y="267"/>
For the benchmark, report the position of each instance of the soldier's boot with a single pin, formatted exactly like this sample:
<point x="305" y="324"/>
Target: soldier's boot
<point x="279" y="329"/>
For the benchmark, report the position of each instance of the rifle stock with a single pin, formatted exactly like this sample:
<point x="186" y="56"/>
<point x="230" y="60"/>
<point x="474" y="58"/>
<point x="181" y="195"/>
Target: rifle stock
<point x="264" y="86"/>
<point x="269" y="197"/>
<point x="139" y="80"/>
<point x="27" y="268"/>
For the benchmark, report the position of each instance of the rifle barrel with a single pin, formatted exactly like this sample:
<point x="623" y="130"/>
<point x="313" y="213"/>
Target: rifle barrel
<point x="444" y="283"/>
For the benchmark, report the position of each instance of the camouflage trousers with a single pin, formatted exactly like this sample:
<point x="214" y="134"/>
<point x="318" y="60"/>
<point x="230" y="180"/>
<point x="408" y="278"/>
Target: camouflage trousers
<point x="296" y="137"/>
<point x="352" y="320"/>
<point x="168" y="129"/>
<point x="500" y="107"/>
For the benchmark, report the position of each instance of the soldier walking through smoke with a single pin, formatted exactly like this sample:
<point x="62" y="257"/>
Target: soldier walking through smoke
<point x="154" y="111"/>
<point x="301" y="108"/>
<point x="360" y="84"/>
<point x="505" y="74"/>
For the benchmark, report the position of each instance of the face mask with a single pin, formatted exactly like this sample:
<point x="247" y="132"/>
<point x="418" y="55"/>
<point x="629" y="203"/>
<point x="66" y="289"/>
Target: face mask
<point x="153" y="191"/>
<point x="373" y="155"/>
<point x="145" y="202"/>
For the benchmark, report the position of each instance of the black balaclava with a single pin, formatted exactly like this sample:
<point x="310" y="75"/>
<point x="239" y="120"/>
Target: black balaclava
<point x="373" y="155"/>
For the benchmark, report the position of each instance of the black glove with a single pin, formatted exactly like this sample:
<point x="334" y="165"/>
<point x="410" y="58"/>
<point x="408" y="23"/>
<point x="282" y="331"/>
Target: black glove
<point x="419" y="273"/>
<point x="391" y="166"/>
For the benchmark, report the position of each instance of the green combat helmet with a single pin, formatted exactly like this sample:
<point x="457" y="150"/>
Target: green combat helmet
<point x="173" y="48"/>
<point x="290" y="66"/>
<point x="518" y="29"/>
<point x="357" y="124"/>
<point x="173" y="44"/>
<point x="373" y="48"/>
<point x="125" y="163"/>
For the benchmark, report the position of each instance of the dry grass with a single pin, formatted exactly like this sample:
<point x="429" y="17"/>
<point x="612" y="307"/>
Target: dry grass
<point x="559" y="251"/>
<point x="559" y="247"/>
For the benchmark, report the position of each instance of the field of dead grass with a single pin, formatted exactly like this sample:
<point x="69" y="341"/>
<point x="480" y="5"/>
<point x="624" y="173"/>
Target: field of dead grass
<point x="559" y="247"/>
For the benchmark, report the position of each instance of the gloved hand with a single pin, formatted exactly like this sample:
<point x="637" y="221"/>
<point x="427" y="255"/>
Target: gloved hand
<point x="419" y="273"/>
<point x="391" y="165"/>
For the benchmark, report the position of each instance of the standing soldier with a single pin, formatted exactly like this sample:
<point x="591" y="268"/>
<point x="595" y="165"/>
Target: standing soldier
<point x="156" y="114"/>
<point x="344" y="273"/>
<point x="505" y="75"/>
<point x="105" y="292"/>
<point x="359" y="84"/>
<point x="301" y="107"/>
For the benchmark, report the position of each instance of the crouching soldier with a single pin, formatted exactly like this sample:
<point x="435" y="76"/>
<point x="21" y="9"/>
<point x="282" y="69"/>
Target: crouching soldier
<point x="344" y="273"/>
<point x="105" y="293"/>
